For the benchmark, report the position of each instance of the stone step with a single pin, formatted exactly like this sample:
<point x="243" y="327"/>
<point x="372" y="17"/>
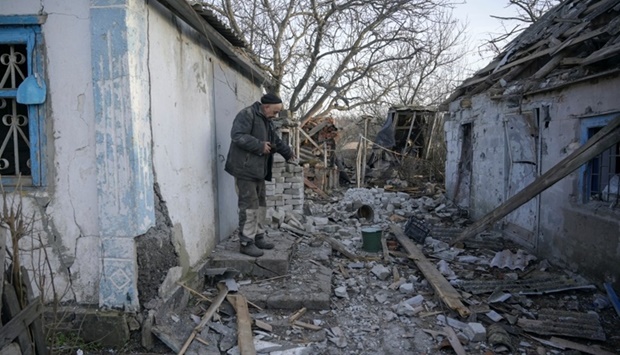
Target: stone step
<point x="274" y="262"/>
<point x="284" y="277"/>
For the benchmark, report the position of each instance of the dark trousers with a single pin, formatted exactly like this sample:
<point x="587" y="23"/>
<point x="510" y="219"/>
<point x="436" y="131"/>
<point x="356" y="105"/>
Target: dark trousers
<point x="252" y="207"/>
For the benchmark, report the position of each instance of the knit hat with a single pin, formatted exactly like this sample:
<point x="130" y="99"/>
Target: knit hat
<point x="270" y="98"/>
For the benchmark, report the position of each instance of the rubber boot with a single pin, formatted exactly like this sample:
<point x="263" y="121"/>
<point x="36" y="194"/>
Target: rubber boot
<point x="262" y="243"/>
<point x="247" y="247"/>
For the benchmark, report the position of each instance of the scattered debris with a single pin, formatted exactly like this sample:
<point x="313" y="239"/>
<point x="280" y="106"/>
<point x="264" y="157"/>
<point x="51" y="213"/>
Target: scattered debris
<point x="414" y="295"/>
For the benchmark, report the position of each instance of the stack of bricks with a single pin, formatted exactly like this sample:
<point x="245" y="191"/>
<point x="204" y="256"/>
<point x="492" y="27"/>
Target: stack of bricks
<point x="285" y="191"/>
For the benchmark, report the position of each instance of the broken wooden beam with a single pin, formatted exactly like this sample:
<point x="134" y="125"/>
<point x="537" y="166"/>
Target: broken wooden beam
<point x="605" y="138"/>
<point x="263" y="325"/>
<point x="339" y="247"/>
<point x="205" y="318"/>
<point x="244" y="324"/>
<point x="442" y="287"/>
<point x="306" y="325"/>
<point x="454" y="341"/>
<point x="295" y="316"/>
<point x="386" y="250"/>
<point x="315" y="188"/>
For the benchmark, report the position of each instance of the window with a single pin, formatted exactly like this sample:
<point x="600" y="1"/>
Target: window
<point x="21" y="125"/>
<point x="601" y="178"/>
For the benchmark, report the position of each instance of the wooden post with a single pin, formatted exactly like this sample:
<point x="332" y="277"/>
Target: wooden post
<point x="427" y="149"/>
<point x="358" y="167"/>
<point x="364" y="157"/>
<point x="415" y="113"/>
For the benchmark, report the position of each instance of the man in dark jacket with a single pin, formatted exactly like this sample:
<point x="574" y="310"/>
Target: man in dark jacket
<point x="250" y="158"/>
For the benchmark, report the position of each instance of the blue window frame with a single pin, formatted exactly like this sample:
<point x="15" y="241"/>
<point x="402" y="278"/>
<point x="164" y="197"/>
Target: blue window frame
<point x="21" y="125"/>
<point x="600" y="177"/>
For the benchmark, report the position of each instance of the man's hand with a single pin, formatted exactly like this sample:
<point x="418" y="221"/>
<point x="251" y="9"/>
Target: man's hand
<point x="266" y="147"/>
<point x="293" y="160"/>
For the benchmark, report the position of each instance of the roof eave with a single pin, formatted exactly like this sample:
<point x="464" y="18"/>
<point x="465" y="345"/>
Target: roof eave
<point x="187" y="13"/>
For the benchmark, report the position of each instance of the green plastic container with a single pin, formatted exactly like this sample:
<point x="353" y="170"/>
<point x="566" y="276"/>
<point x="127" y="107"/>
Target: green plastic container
<point x="371" y="239"/>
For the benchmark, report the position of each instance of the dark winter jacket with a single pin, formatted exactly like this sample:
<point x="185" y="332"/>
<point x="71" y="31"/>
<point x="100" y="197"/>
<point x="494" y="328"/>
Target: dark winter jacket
<point x="245" y="156"/>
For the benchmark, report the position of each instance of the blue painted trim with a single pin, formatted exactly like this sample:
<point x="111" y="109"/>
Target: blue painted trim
<point x="613" y="297"/>
<point x="586" y="124"/>
<point x="22" y="20"/>
<point x="32" y="37"/>
<point x="8" y="92"/>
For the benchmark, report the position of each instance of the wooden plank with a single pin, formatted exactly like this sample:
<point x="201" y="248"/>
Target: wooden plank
<point x="339" y="247"/>
<point x="386" y="250"/>
<point x="36" y="327"/>
<point x="206" y="317"/>
<point x="263" y="325"/>
<point x="18" y="324"/>
<point x="307" y="325"/>
<point x="315" y="188"/>
<point x="442" y="287"/>
<point x="317" y="128"/>
<point x="13" y="310"/>
<point x="602" y="54"/>
<point x="601" y="141"/>
<point x="454" y="341"/>
<point x="244" y="324"/>
<point x="311" y="141"/>
<point x="295" y="316"/>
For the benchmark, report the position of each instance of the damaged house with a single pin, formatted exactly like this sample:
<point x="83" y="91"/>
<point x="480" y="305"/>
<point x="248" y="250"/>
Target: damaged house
<point x="117" y="115"/>
<point x="529" y="113"/>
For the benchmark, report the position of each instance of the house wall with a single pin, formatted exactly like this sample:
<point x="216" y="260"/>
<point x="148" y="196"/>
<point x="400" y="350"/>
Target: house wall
<point x="128" y="107"/>
<point x="583" y="236"/>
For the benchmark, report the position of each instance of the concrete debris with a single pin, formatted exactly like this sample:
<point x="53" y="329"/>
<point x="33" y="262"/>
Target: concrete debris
<point x="406" y="288"/>
<point x="370" y="308"/>
<point x="341" y="292"/>
<point x="381" y="272"/>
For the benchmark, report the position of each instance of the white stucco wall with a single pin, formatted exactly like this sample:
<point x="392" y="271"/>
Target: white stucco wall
<point x="192" y="98"/>
<point x="69" y="221"/>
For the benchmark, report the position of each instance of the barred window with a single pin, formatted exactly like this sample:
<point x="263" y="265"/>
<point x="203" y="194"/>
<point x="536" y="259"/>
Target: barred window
<point x="602" y="173"/>
<point x="20" y="123"/>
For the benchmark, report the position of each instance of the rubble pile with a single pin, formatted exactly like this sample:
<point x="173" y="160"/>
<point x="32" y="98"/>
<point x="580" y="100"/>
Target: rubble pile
<point x="385" y="303"/>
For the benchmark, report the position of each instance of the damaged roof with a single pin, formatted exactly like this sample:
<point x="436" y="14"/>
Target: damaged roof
<point x="575" y="41"/>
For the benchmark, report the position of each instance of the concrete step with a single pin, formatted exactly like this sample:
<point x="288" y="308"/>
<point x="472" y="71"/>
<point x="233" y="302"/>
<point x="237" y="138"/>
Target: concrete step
<point x="274" y="262"/>
<point x="284" y="277"/>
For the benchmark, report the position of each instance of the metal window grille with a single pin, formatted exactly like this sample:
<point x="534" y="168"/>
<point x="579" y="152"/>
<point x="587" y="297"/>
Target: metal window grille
<point x="603" y="174"/>
<point x="14" y="117"/>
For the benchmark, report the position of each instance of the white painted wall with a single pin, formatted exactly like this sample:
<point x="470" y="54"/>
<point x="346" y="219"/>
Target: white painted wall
<point x="191" y="115"/>
<point x="69" y="222"/>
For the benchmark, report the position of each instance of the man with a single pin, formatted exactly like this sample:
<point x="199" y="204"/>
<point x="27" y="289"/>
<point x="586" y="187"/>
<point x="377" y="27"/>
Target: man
<point x="250" y="158"/>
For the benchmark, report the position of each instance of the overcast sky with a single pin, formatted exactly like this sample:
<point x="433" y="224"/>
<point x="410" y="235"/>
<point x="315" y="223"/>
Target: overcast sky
<point x="477" y="14"/>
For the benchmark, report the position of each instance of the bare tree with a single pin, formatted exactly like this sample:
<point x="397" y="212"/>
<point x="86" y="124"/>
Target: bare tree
<point x="330" y="55"/>
<point x="527" y="12"/>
